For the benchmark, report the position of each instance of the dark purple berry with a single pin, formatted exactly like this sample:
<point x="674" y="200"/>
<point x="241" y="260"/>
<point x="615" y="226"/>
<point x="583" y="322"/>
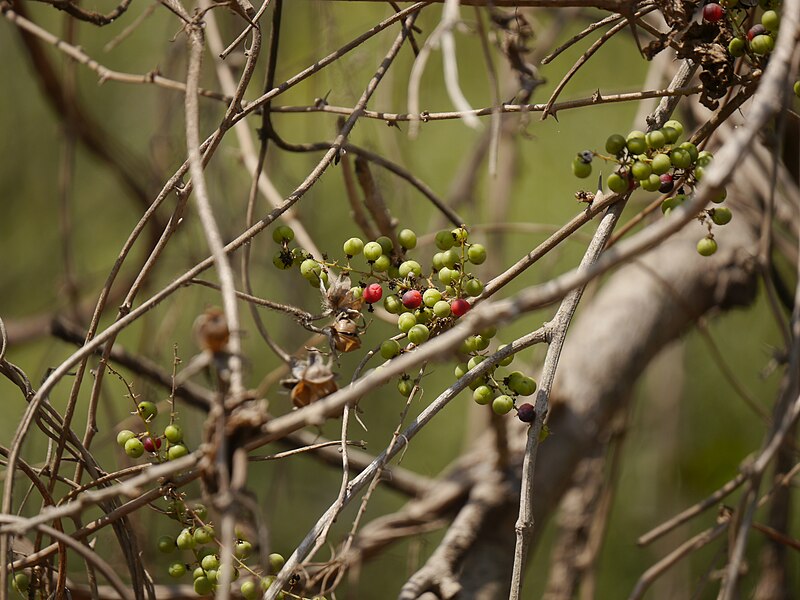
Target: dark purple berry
<point x="757" y="29"/>
<point x="666" y="183"/>
<point x="585" y="156"/>
<point x="526" y="412"/>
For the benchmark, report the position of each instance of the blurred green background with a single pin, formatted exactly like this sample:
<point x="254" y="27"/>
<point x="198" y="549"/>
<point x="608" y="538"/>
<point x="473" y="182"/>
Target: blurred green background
<point x="680" y="444"/>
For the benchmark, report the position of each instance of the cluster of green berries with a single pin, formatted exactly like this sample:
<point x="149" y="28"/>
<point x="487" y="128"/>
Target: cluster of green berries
<point x="657" y="162"/>
<point x="755" y="41"/>
<point x="136" y="444"/>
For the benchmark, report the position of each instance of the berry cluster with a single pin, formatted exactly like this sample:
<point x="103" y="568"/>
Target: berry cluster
<point x="135" y="445"/>
<point x="756" y="41"/>
<point x="657" y="162"/>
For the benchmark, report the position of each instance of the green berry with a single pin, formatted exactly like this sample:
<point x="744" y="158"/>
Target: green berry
<point x="173" y="433"/>
<point x="406" y="321"/>
<point x="481" y="343"/>
<point x="353" y="247"/>
<point x="431" y="296"/>
<point x="503" y="404"/>
<point x="698" y="173"/>
<point x="617" y="184"/>
<point x="460" y="235"/>
<point x="202" y="586"/>
<point x="441" y="309"/>
<point x="418" y="334"/>
<point x="200" y="511"/>
<point x="282" y="234"/>
<point x="737" y="47"/>
<point x="677" y="126"/>
<point x="473" y="287"/>
<point x="204" y="535"/>
<point x="198" y="572"/>
<point x="147" y="410"/>
<point x="405" y="386"/>
<point x="283" y="260"/>
<point x="21" y="582"/>
<point x="670" y="134"/>
<point x="704" y="158"/>
<point x="177" y="570"/>
<point x="476" y="254"/>
<point x="641" y="170"/>
<point x="436" y="261"/>
<point x="652" y="183"/>
<point x="386" y="244"/>
<point x="445" y="240"/>
<point x="390" y="349"/>
<point x="134" y="448"/>
<point x="521" y="384"/>
<point x="507" y="360"/>
<point x="393" y="305"/>
<point x="185" y="540"/>
<point x="123" y="436"/>
<point x="460" y="370"/>
<point x="680" y="158"/>
<point x="615" y="144"/>
<point x="706" y="247"/>
<point x="166" y="544"/>
<point x="488" y="332"/>
<point x="721" y="215"/>
<point x="310" y="269"/>
<point x="770" y="20"/>
<point x="242" y="549"/>
<point x="407" y="239"/>
<point x="410" y="267"/>
<point x="483" y="395"/>
<point x="451" y="258"/>
<point x="266" y="582"/>
<point x="720" y="197"/>
<point x="656" y="139"/>
<point x="249" y="590"/>
<point x="762" y="44"/>
<point x="372" y="251"/>
<point x="661" y="164"/>
<point x="209" y="562"/>
<point x="382" y="263"/>
<point x="581" y="169"/>
<point x="691" y="149"/>
<point x="475" y="361"/>
<point x="177" y="451"/>
<point x="636" y="142"/>
<point x="446" y="276"/>
<point x="797" y="88"/>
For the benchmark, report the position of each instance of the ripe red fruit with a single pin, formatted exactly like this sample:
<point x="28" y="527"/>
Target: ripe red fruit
<point x="459" y="307"/>
<point x="526" y="412"/>
<point x="666" y="183"/>
<point x="757" y="29"/>
<point x="373" y="293"/>
<point x="412" y="299"/>
<point x="151" y="445"/>
<point x="713" y="12"/>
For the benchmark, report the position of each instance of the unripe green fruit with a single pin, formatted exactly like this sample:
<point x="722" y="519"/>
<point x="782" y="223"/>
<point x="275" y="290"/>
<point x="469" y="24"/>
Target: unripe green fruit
<point x="406" y="321"/>
<point x="431" y="296"/>
<point x="173" y="433"/>
<point x="676" y="125"/>
<point x="436" y="261"/>
<point x="617" y="184"/>
<point x="390" y="349"/>
<point x="203" y="586"/>
<point x="636" y="142"/>
<point x="204" y="534"/>
<point x="652" y="183"/>
<point x="521" y="384"/>
<point x="177" y="570"/>
<point x="410" y="266"/>
<point x="442" y="309"/>
<point x="451" y="258"/>
<point x="445" y="240"/>
<point x="134" y="448"/>
<point x="721" y="215"/>
<point x="276" y="562"/>
<point x="797" y="88"/>
<point x="691" y="149"/>
<point x="382" y="263"/>
<point x="706" y="247"/>
<point x="656" y="139"/>
<point x="473" y="287"/>
<point x="460" y="235"/>
<point x="615" y="144"/>
<point x="310" y="269"/>
<point x="483" y="395"/>
<point x="405" y="386"/>
<point x="21" y="582"/>
<point x="209" y="562"/>
<point x="475" y="361"/>
<point x="418" y="334"/>
<point x="372" y="250"/>
<point x="460" y="370"/>
<point x="198" y="572"/>
<point x="476" y="254"/>
<point x="481" y="343"/>
<point x="407" y="239"/>
<point x="488" y="332"/>
<point x="507" y="360"/>
<point x="353" y="247"/>
<point x="446" y="275"/>
<point x="661" y="164"/>
<point x="200" y="511"/>
<point x="282" y="234"/>
<point x="123" y="436"/>
<point x="762" y="44"/>
<point x="266" y="582"/>
<point x="243" y="549"/>
<point x="771" y="20"/>
<point x="680" y="158"/>
<point x="503" y="404"/>
<point x="147" y="410"/>
<point x="177" y="451"/>
<point x="185" y="540"/>
<point x="581" y="169"/>
<point x="737" y="47"/>
<point x="386" y="244"/>
<point x="166" y="544"/>
<point x="249" y="590"/>
<point x="670" y="134"/>
<point x="393" y="305"/>
<point x="641" y="170"/>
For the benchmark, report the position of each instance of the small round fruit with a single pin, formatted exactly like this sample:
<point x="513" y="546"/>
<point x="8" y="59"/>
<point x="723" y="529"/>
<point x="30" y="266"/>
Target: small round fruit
<point x="771" y="20"/>
<point x="386" y="244"/>
<point x="652" y="183"/>
<point x="460" y="235"/>
<point x="615" y="144"/>
<point x="797" y="88"/>
<point x="373" y="293"/>
<point x="173" y="433"/>
<point x="21" y="582"/>
<point x="521" y="384"/>
<point x="444" y="240"/>
<point x="526" y="413"/>
<point x="476" y="254"/>
<point x="473" y="287"/>
<point x="442" y="309"/>
<point x="406" y="321"/>
<point x="636" y="142"/>
<point x="691" y="149"/>
<point x="203" y="586"/>
<point x="283" y="260"/>
<point x="372" y="251"/>
<point x="713" y="12"/>
<point x="431" y="297"/>
<point x="667" y="184"/>
<point x="242" y="549"/>
<point x="166" y="544"/>
<point x="670" y="133"/>
<point x="123" y="436"/>
<point x="177" y="451"/>
<point x="392" y="305"/>
<point x="353" y="247"/>
<point x="706" y="247"/>
<point x="641" y="170"/>
<point x="451" y="258"/>
<point x="581" y="169"/>
<point x="721" y="215"/>
<point x="757" y="29"/>
<point x="481" y="343"/>
<point x="762" y="44"/>
<point x="407" y="239"/>
<point x="200" y="511"/>
<point x="177" y="570"/>
<point x="446" y="276"/>
<point x="209" y="562"/>
<point x="617" y="184"/>
<point x="660" y="164"/>
<point x="459" y="307"/>
<point x="147" y="410"/>
<point x="475" y="361"/>
<point x="483" y="395"/>
<point x="151" y="445"/>
<point x="185" y="540"/>
<point x="390" y="349"/>
<point x="412" y="299"/>
<point x="249" y="590"/>
<point x="680" y="158"/>
<point x="134" y="448"/>
<point x="382" y="263"/>
<point x="410" y="267"/>
<point x="677" y="126"/>
<point x="656" y="139"/>
<point x="507" y="360"/>
<point x="282" y="234"/>
<point x="198" y="572"/>
<point x="310" y="269"/>
<point x="488" y="332"/>
<point x="503" y="404"/>
<point x="418" y="334"/>
<point x="204" y="535"/>
<point x="737" y="47"/>
<point x="460" y="370"/>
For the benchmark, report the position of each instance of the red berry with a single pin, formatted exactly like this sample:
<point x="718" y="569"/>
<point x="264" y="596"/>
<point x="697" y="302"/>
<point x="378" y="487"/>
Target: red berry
<point x="459" y="307"/>
<point x="757" y="29"/>
<point x="713" y="12"/>
<point x="526" y="412"/>
<point x="373" y="293"/>
<point x="666" y="183"/>
<point x="151" y="445"/>
<point x="412" y="299"/>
